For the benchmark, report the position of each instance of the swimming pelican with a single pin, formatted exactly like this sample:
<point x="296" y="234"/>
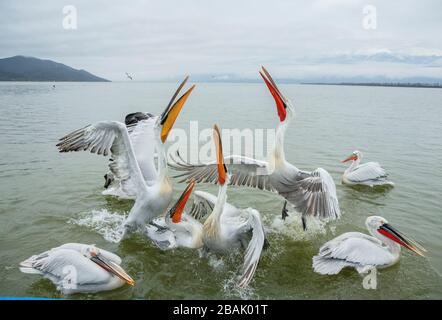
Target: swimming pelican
<point x="354" y="249"/>
<point x="76" y="267"/>
<point x="151" y="198"/>
<point x="368" y="174"/>
<point x="177" y="228"/>
<point x="228" y="228"/>
<point x="311" y="193"/>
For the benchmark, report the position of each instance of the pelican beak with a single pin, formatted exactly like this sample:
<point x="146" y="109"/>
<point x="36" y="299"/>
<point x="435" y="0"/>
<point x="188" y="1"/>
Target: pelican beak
<point x="281" y="105"/>
<point x="352" y="157"/>
<point x="173" y="109"/>
<point x="393" y="234"/>
<point x="222" y="169"/>
<point x="177" y="210"/>
<point x="112" y="267"/>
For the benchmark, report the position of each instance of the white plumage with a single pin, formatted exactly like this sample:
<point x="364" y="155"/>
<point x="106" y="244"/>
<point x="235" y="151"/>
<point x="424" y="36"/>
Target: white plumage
<point x="71" y="269"/>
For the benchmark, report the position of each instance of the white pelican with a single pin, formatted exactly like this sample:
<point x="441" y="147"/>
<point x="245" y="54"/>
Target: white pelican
<point x="363" y="252"/>
<point x="228" y="228"/>
<point x="311" y="193"/>
<point x="368" y="174"/>
<point x="151" y="198"/>
<point x="177" y="228"/>
<point x="142" y="127"/>
<point x="76" y="267"/>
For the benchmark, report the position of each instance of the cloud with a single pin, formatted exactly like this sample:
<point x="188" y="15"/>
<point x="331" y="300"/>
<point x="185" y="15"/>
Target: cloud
<point x="165" y="39"/>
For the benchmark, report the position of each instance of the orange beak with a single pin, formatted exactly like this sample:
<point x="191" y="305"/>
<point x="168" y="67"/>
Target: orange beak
<point x="280" y="104"/>
<point x="177" y="210"/>
<point x="352" y="157"/>
<point x="222" y="170"/>
<point x="173" y="110"/>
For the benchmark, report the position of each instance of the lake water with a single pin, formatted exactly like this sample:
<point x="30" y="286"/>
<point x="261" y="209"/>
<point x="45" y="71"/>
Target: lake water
<point x="47" y="198"/>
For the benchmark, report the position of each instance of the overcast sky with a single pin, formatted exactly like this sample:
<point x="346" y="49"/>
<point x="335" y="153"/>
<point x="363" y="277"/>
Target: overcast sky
<point x="165" y="39"/>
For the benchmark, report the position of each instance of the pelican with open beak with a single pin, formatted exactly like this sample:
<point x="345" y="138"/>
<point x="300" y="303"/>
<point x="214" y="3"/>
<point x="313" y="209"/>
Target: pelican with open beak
<point x="177" y="228"/>
<point x="228" y="228"/>
<point x="152" y="197"/>
<point x="313" y="194"/>
<point x="76" y="267"/>
<point x="363" y="252"/>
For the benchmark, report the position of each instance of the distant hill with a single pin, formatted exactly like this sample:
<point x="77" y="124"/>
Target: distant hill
<point x="21" y="68"/>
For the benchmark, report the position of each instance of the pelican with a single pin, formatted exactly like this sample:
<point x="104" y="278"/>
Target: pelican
<point x="151" y="198"/>
<point x="228" y="228"/>
<point x="177" y="228"/>
<point x="142" y="128"/>
<point x="360" y="251"/>
<point x="368" y="174"/>
<point x="311" y="193"/>
<point x="77" y="267"/>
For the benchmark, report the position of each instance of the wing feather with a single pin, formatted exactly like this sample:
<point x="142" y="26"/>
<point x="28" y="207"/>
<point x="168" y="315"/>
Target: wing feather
<point x="109" y="137"/>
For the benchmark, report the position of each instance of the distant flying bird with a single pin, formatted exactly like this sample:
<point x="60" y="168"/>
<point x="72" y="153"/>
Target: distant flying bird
<point x="368" y="174"/>
<point x="311" y="193"/>
<point x="129" y="76"/>
<point x="76" y="267"/>
<point x="380" y="249"/>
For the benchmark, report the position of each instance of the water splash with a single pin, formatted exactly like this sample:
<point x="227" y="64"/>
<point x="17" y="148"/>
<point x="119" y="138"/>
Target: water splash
<point x="232" y="291"/>
<point x="108" y="224"/>
<point x="292" y="227"/>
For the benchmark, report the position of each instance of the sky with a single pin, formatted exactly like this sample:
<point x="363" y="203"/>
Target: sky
<point x="227" y="39"/>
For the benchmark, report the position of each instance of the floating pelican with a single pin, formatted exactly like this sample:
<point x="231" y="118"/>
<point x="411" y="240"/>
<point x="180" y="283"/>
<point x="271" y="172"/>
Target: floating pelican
<point x="354" y="249"/>
<point x="312" y="193"/>
<point x="368" y="174"/>
<point x="76" y="267"/>
<point x="152" y="197"/>
<point x="177" y="228"/>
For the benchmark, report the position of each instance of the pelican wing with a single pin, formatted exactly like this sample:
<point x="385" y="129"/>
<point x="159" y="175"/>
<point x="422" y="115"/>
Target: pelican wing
<point x="254" y="248"/>
<point x="237" y="224"/>
<point x="65" y="268"/>
<point x="80" y="247"/>
<point x="109" y="137"/>
<point x="244" y="171"/>
<point x="143" y="142"/>
<point x="203" y="203"/>
<point x="368" y="172"/>
<point x="315" y="195"/>
<point x="352" y="249"/>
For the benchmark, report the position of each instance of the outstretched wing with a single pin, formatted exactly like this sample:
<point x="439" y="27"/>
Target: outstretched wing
<point x="142" y="138"/>
<point x="203" y="203"/>
<point x="315" y="195"/>
<point x="351" y="249"/>
<point x="254" y="248"/>
<point x="109" y="137"/>
<point x="244" y="171"/>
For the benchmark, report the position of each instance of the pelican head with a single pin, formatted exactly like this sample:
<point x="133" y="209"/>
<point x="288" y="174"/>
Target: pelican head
<point x="170" y="114"/>
<point x="356" y="155"/>
<point x="176" y="212"/>
<point x="380" y="225"/>
<point x="283" y="105"/>
<point x="94" y="254"/>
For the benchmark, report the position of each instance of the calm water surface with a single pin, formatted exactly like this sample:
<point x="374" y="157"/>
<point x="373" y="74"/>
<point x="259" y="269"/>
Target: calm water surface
<point x="47" y="198"/>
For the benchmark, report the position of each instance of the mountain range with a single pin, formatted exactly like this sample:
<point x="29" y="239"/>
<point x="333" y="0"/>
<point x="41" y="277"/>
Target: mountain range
<point x="21" y="68"/>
